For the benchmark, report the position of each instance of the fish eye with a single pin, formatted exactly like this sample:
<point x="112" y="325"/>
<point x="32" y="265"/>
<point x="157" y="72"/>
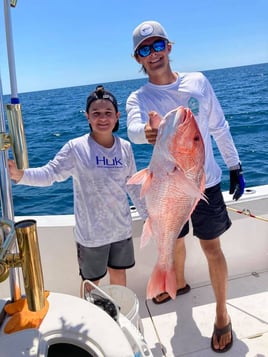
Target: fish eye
<point x="197" y="138"/>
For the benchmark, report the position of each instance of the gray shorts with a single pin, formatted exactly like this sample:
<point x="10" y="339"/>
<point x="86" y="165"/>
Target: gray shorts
<point x="211" y="219"/>
<point x="93" y="262"/>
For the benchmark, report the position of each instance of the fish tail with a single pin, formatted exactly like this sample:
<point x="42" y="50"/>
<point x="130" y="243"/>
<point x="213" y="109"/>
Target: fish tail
<point x="156" y="283"/>
<point x="162" y="281"/>
<point x="171" y="283"/>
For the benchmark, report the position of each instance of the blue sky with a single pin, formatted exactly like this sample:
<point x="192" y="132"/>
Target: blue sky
<point x="61" y="43"/>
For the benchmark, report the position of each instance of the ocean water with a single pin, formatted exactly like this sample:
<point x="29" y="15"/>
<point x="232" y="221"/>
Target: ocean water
<point x="52" y="117"/>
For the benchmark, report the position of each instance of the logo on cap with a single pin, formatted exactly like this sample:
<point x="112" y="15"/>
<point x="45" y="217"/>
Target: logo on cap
<point x="146" y="30"/>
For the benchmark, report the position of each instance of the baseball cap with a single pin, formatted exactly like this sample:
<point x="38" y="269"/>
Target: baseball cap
<point x="101" y="93"/>
<point x="146" y="30"/>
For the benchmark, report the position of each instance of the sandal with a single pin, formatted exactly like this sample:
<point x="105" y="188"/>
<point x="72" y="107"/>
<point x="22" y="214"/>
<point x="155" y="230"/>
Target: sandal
<point x="181" y="291"/>
<point x="220" y="332"/>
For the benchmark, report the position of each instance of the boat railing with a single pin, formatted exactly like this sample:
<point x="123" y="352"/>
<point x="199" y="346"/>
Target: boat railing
<point x="18" y="241"/>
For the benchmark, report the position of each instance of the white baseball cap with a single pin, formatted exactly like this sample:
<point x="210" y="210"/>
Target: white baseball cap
<point x="146" y="30"/>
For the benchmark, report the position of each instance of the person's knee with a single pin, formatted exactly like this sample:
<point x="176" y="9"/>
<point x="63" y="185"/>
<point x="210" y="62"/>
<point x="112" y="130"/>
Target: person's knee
<point x="180" y="243"/>
<point x="118" y="276"/>
<point x="211" y="248"/>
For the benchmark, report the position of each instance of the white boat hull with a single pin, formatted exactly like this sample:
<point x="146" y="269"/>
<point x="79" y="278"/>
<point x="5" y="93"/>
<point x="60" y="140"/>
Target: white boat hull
<point x="245" y="246"/>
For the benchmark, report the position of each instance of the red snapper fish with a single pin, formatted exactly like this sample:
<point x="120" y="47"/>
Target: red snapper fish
<point x="172" y="185"/>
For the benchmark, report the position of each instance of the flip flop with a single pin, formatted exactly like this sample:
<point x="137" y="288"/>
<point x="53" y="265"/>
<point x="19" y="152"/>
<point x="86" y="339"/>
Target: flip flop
<point x="220" y="332"/>
<point x="181" y="291"/>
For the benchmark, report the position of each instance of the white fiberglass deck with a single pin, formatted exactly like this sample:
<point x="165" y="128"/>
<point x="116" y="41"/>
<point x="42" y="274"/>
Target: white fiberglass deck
<point x="183" y="327"/>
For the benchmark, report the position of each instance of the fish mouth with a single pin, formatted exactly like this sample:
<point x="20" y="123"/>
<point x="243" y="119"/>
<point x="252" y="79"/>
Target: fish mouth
<point x="180" y="115"/>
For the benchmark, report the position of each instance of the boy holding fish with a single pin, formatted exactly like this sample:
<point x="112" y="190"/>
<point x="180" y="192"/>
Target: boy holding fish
<point x="171" y="92"/>
<point x="100" y="164"/>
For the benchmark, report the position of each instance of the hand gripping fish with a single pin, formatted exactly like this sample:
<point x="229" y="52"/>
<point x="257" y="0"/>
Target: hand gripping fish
<point x="172" y="186"/>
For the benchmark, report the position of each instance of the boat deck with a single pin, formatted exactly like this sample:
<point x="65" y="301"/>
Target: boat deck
<point x="183" y="327"/>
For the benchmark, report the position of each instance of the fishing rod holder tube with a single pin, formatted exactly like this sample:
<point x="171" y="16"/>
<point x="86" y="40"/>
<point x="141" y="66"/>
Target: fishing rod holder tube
<point x="5" y="141"/>
<point x="28" y="259"/>
<point x="13" y="3"/>
<point x="18" y="141"/>
<point x="7" y="238"/>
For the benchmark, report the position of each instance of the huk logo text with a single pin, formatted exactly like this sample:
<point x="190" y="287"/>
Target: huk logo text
<point x="107" y="162"/>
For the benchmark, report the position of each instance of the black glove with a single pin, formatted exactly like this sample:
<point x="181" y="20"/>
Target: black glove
<point x="237" y="182"/>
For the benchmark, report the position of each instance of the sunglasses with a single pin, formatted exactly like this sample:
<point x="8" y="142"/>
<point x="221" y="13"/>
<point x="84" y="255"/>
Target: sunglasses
<point x="157" y="46"/>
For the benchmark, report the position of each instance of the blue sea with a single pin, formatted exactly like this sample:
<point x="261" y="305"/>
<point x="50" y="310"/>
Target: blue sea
<point x="52" y="117"/>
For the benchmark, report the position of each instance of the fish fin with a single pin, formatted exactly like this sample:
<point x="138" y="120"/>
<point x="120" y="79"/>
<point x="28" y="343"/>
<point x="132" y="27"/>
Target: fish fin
<point x="203" y="187"/>
<point x="138" y="178"/>
<point x="142" y="177"/>
<point x="146" y="183"/>
<point x="146" y="233"/>
<point x="162" y="281"/>
<point x="189" y="186"/>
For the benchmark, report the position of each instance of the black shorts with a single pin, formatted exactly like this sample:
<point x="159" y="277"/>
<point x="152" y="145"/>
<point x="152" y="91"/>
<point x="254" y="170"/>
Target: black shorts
<point x="93" y="262"/>
<point x="211" y="219"/>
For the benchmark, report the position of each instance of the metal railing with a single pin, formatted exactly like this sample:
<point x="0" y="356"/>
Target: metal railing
<point x="18" y="241"/>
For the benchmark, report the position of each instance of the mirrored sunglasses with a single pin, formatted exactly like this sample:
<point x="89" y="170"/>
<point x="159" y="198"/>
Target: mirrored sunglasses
<point x="157" y="46"/>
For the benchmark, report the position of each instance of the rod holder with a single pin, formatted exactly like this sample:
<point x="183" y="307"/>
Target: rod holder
<point x="13" y="3"/>
<point x="27" y="239"/>
<point x="16" y="131"/>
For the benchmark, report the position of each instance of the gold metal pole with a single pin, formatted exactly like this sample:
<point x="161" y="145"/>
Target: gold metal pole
<point x="16" y="130"/>
<point x="31" y="263"/>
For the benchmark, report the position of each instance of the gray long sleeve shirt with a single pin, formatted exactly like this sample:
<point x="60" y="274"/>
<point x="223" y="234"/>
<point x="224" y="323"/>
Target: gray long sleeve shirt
<point x="101" y="207"/>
